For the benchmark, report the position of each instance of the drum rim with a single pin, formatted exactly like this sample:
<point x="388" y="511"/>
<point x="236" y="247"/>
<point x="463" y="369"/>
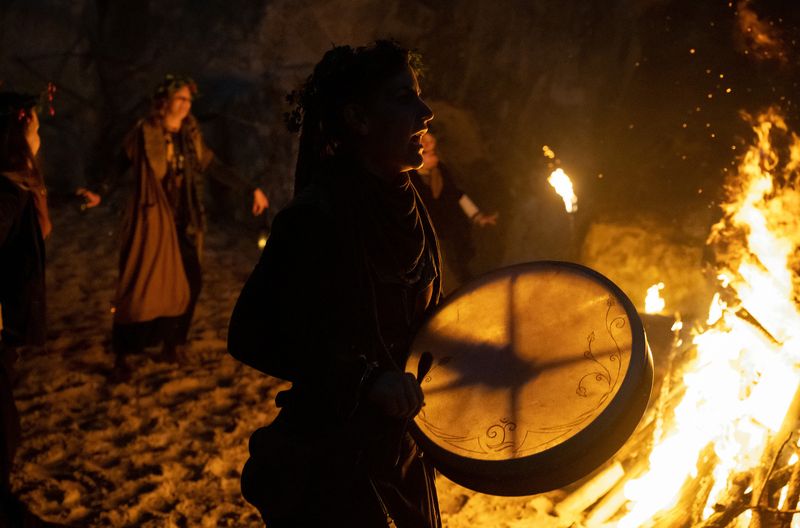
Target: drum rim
<point x="571" y="459"/>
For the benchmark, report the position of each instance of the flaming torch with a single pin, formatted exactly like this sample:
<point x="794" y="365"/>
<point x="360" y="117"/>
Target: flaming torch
<point x="563" y="186"/>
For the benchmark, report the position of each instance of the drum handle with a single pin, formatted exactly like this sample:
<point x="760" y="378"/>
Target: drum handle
<point x="424" y="366"/>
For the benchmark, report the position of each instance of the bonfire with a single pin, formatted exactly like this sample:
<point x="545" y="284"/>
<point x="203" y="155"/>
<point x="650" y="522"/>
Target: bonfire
<point x="718" y="446"/>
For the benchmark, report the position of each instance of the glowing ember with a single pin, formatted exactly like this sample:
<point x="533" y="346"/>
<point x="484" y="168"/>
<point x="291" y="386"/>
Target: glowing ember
<point x="563" y="185"/>
<point x="740" y="384"/>
<point x="654" y="303"/>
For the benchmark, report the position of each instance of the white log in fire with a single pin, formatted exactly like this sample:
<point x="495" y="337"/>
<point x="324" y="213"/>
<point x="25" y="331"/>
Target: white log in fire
<point x="744" y="375"/>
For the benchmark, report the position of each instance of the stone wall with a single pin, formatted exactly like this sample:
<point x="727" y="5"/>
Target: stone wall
<point x="640" y="252"/>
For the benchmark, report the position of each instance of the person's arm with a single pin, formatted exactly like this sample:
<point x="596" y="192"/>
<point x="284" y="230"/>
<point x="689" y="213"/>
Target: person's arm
<point x="290" y="318"/>
<point x="112" y="174"/>
<point x="229" y="178"/>
<point x="468" y="207"/>
<point x="472" y="211"/>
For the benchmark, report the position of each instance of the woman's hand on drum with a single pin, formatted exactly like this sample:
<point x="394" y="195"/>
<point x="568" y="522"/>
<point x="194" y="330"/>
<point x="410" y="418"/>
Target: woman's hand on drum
<point x="397" y="394"/>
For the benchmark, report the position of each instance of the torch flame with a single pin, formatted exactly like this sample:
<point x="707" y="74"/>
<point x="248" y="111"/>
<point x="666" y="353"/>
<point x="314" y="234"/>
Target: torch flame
<point x="563" y="185"/>
<point x="740" y="384"/>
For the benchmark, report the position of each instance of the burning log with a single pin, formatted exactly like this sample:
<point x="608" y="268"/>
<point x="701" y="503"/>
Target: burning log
<point x="792" y="495"/>
<point x="607" y="507"/>
<point x="614" y="499"/>
<point x="693" y="496"/>
<point x="583" y="497"/>
<point x="737" y="500"/>
<point x="764" y="514"/>
<point x="760" y="502"/>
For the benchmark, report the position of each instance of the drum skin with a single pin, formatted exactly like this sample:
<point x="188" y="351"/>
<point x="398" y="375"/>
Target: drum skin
<point x="541" y="372"/>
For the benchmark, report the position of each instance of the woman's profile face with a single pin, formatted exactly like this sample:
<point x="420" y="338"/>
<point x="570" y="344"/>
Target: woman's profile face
<point x="180" y="103"/>
<point x="32" y="133"/>
<point x="430" y="158"/>
<point x="396" y="119"/>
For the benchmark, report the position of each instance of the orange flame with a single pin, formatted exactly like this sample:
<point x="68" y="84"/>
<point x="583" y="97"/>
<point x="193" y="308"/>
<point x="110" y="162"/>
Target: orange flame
<point x="654" y="303"/>
<point x="739" y="386"/>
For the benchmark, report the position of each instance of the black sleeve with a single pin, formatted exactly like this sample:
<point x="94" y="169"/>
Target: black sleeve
<point x="228" y="177"/>
<point x="108" y="172"/>
<point x="9" y="211"/>
<point x="451" y="187"/>
<point x="291" y="320"/>
<point x="114" y="176"/>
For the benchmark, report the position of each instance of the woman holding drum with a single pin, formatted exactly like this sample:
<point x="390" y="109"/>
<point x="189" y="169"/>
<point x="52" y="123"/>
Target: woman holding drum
<point x="350" y="271"/>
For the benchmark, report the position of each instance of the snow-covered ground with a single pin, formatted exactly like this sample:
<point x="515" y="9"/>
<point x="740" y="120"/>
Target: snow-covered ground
<point x="166" y="448"/>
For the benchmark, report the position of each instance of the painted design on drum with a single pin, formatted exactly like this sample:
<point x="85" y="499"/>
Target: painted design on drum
<point x="497" y="434"/>
<point x="470" y="444"/>
<point x="501" y="435"/>
<point x="604" y="374"/>
<point x="494" y="439"/>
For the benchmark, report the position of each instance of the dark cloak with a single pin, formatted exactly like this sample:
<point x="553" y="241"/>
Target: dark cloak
<point x="452" y="225"/>
<point x="22" y="297"/>
<point x="22" y="255"/>
<point x="152" y="280"/>
<point x="349" y="273"/>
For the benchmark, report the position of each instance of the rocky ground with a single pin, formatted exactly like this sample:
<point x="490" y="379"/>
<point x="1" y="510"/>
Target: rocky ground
<point x="166" y="448"/>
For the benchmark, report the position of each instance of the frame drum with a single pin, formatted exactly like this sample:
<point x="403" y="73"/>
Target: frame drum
<point x="540" y="373"/>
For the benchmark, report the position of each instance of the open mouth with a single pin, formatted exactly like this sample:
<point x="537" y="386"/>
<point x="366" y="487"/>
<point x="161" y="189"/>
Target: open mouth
<point x="416" y="139"/>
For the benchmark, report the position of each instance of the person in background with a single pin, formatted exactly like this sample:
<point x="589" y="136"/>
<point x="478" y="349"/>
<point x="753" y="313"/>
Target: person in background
<point x="348" y="274"/>
<point x="162" y="236"/>
<point x="453" y="212"/>
<point x="24" y="224"/>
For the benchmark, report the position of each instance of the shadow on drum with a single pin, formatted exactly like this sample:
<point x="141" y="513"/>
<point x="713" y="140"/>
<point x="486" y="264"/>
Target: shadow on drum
<point x="502" y="367"/>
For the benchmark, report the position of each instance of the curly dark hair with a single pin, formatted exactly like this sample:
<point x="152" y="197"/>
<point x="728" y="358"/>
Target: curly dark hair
<point x="167" y="88"/>
<point x="343" y="76"/>
<point x="16" y="112"/>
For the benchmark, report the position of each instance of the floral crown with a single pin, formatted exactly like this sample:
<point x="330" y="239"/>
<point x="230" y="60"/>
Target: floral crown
<point x="19" y="104"/>
<point x="172" y="83"/>
<point x="323" y="87"/>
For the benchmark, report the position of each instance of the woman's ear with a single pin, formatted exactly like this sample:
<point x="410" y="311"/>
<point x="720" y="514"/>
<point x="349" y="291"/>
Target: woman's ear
<point x="355" y="119"/>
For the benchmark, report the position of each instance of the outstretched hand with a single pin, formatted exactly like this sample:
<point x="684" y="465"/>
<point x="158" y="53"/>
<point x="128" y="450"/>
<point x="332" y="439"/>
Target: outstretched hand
<point x="90" y="199"/>
<point x="483" y="219"/>
<point x="397" y="394"/>
<point x="260" y="202"/>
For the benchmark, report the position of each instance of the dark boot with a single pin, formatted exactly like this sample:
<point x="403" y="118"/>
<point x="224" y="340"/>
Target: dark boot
<point x="121" y="372"/>
<point x="14" y="514"/>
<point x="175" y="354"/>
